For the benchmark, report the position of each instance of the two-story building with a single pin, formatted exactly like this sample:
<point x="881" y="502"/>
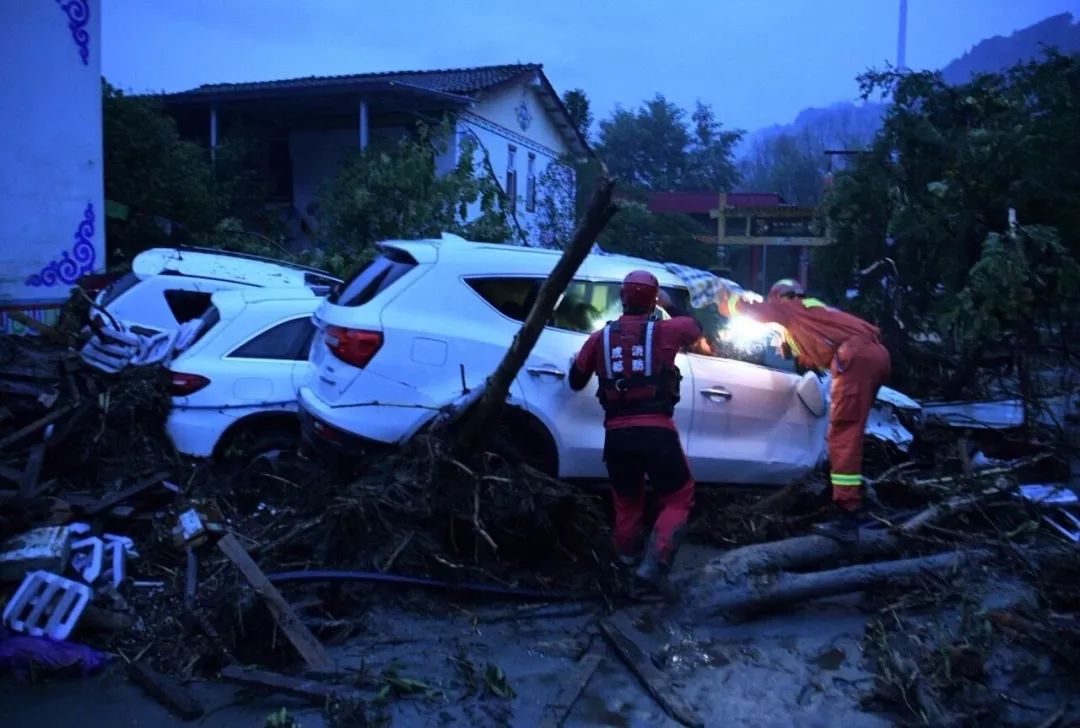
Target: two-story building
<point x="309" y="125"/>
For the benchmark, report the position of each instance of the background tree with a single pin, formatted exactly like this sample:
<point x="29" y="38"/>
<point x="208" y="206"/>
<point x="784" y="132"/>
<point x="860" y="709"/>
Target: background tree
<point x="656" y="148"/>
<point x="934" y="188"/>
<point x="164" y="180"/>
<point x="712" y="165"/>
<point x="577" y="105"/>
<point x="385" y="193"/>
<point x="172" y="192"/>
<point x="792" y="165"/>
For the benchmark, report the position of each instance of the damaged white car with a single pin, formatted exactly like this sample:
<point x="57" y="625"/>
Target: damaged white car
<point x="152" y="312"/>
<point x="408" y="332"/>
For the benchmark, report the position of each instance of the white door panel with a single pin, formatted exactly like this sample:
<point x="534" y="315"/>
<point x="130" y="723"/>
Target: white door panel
<point x="749" y="425"/>
<point x="576" y="419"/>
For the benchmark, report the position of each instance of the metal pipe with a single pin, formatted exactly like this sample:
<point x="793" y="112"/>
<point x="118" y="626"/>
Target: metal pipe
<point x="379" y="577"/>
<point x="213" y="133"/>
<point x="901" y="40"/>
<point x="363" y="124"/>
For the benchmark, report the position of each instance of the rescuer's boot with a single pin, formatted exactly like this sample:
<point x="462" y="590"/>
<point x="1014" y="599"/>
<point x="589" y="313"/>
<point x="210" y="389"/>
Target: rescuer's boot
<point x="652" y="574"/>
<point x="843" y="528"/>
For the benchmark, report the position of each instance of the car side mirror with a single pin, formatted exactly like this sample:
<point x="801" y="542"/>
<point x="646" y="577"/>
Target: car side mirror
<point x="811" y="394"/>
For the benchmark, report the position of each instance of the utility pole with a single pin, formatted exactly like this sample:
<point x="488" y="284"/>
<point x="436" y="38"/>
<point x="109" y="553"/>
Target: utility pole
<point x="901" y="41"/>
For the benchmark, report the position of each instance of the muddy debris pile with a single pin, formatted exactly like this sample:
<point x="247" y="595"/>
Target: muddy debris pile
<point x="184" y="570"/>
<point x="84" y="454"/>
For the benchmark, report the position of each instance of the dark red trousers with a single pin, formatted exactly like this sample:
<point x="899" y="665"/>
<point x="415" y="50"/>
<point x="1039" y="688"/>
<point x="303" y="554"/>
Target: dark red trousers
<point x="860" y="368"/>
<point x="632" y="455"/>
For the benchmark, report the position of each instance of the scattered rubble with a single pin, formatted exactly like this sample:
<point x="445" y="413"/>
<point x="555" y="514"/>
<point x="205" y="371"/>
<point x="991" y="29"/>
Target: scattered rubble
<point x="183" y="571"/>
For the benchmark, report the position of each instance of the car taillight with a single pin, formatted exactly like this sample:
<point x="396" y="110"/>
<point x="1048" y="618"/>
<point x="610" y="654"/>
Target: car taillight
<point x="353" y="346"/>
<point x="181" y="385"/>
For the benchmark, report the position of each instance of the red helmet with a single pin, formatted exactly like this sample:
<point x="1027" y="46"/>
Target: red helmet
<point x="786" y="288"/>
<point x="639" y="291"/>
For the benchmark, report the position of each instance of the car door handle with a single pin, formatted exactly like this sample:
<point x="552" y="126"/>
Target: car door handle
<point x="546" y="371"/>
<point x="716" y="392"/>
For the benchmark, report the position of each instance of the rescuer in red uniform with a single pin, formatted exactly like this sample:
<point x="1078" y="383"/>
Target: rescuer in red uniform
<point x="822" y="338"/>
<point x="634" y="359"/>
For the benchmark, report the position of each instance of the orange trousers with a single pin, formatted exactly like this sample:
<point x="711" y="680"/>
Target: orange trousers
<point x="860" y="368"/>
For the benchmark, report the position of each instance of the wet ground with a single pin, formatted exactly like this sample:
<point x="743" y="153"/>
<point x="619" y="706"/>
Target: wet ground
<point x="803" y="670"/>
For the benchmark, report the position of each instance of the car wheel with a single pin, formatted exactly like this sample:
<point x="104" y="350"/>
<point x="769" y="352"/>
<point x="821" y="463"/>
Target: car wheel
<point x="519" y="442"/>
<point x="262" y="443"/>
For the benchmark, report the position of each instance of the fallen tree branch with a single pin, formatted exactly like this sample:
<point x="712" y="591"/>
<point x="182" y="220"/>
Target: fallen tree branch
<point x="556" y="712"/>
<point x="489" y="406"/>
<point x="789" y="589"/>
<point x="804" y="551"/>
<point x="940" y="511"/>
<point x="313" y="690"/>
<point x="654" y="681"/>
<point x="305" y="643"/>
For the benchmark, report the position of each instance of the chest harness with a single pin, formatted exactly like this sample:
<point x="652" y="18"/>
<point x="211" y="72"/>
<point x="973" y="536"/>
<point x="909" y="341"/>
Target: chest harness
<point x="629" y="383"/>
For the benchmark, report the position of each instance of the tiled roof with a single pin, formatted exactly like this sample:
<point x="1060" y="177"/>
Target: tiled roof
<point x="701" y="203"/>
<point x="450" y="80"/>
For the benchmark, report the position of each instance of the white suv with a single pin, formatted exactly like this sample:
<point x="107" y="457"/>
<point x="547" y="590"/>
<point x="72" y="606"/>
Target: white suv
<point x="406" y="333"/>
<point x="236" y="384"/>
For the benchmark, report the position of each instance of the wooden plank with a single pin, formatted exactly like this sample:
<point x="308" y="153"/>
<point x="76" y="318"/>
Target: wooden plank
<point x="165" y="690"/>
<point x="9" y="473"/>
<point x="49" y="332"/>
<point x="130" y="492"/>
<point x="36" y="425"/>
<point x="313" y="690"/>
<point x="654" y="681"/>
<point x="29" y="479"/>
<point x="191" y="579"/>
<point x="301" y="637"/>
<point x="556" y="712"/>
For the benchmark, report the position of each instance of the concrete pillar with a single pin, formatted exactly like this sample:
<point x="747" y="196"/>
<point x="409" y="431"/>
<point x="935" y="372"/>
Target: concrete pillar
<point x="213" y="133"/>
<point x="363" y="124"/>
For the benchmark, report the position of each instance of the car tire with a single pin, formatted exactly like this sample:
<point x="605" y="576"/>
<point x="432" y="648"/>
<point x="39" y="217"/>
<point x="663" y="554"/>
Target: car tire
<point x="261" y="441"/>
<point x="518" y="442"/>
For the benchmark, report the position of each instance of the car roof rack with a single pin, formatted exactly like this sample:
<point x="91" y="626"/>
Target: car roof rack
<point x="260" y="258"/>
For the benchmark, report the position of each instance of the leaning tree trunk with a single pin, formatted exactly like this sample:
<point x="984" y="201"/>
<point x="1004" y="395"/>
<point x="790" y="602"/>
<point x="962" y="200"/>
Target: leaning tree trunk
<point x="758" y="596"/>
<point x="480" y="421"/>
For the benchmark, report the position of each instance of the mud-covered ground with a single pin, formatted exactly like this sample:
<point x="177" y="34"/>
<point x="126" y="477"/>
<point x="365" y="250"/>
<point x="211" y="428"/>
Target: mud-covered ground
<point x="816" y="666"/>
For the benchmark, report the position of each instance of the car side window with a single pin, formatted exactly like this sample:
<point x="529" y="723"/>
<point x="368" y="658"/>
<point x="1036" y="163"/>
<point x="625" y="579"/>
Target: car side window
<point x="289" y="340"/>
<point x="740" y="345"/>
<point x="584" y="307"/>
<point x="512" y="297"/>
<point x="587" y="306"/>
<point x="187" y="305"/>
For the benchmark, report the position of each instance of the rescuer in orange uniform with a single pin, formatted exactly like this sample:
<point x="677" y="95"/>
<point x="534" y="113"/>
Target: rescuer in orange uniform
<point x="821" y="337"/>
<point x="634" y="359"/>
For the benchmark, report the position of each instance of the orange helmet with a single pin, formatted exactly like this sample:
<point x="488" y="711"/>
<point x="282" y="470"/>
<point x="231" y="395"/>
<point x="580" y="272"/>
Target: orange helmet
<point x="786" y="288"/>
<point x="639" y="291"/>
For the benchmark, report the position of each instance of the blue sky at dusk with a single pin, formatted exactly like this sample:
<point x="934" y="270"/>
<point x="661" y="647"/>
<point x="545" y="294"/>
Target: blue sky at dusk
<point x="757" y="63"/>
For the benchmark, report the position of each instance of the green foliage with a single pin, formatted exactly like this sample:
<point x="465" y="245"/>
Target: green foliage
<point x="281" y="718"/>
<point x="1018" y="282"/>
<point x="655" y="148"/>
<point x="337" y="260"/>
<point x="665" y="238"/>
<point x="577" y="105"/>
<point x="149" y="168"/>
<point x="173" y="192"/>
<point x="381" y="194"/>
<point x="556" y="204"/>
<point x="933" y="194"/>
